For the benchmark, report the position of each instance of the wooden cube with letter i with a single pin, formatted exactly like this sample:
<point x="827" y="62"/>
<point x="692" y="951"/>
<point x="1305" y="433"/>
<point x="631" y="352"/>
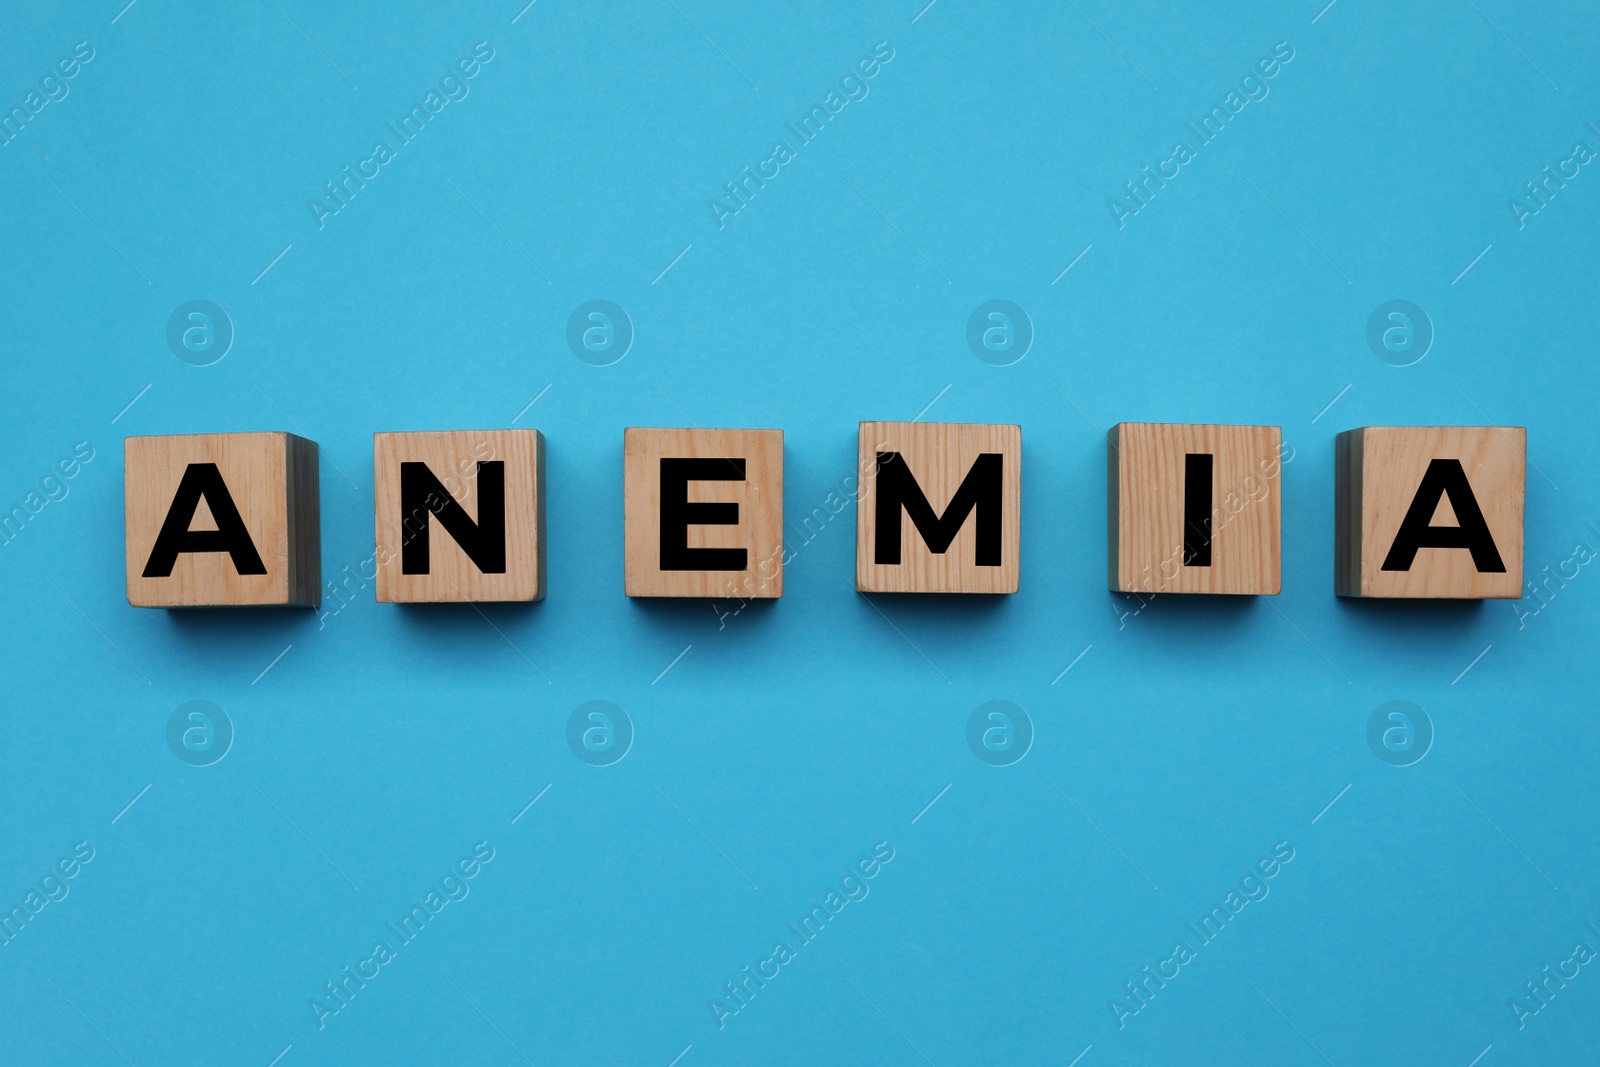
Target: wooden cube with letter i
<point x="221" y="520"/>
<point x="703" y="513"/>
<point x="1430" y="511"/>
<point x="1194" y="508"/>
<point x="940" y="507"/>
<point x="460" y="516"/>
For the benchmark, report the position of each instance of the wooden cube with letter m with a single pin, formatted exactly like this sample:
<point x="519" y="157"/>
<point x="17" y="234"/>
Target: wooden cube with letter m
<point x="940" y="508"/>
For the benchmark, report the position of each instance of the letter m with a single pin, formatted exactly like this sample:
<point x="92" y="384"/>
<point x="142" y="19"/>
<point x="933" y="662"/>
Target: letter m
<point x="897" y="492"/>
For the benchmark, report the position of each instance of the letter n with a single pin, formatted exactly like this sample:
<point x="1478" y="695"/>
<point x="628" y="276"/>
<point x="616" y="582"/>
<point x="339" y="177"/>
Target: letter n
<point x="484" y="489"/>
<point x="483" y="540"/>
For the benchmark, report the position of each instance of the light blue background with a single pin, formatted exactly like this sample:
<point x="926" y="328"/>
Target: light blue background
<point x="1190" y="737"/>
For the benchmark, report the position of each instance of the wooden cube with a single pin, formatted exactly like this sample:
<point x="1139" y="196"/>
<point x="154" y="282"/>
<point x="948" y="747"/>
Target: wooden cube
<point x="1430" y="511"/>
<point x="940" y="508"/>
<point x="221" y="520"/>
<point x="703" y="513"/>
<point x="1194" y="508"/>
<point x="459" y="516"/>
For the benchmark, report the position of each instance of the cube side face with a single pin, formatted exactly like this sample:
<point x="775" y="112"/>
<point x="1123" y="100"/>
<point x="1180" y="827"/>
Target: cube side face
<point x="542" y="554"/>
<point x="1347" y="513"/>
<point x="937" y="459"/>
<point x="1113" y="507"/>
<point x="704" y="491"/>
<point x="513" y="471"/>
<point x="1170" y="538"/>
<point x="253" y="469"/>
<point x="304" y="499"/>
<point x="1402" y="464"/>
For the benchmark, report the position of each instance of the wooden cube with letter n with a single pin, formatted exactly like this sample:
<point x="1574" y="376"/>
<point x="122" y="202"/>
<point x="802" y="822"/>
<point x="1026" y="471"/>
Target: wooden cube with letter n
<point x="460" y="516"/>
<point x="1194" y="508"/>
<point x="703" y="513"/>
<point x="221" y="520"/>
<point x="940" y="508"/>
<point x="1430" y="511"/>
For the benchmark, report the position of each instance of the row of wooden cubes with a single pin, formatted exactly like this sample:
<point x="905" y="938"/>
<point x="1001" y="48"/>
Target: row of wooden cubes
<point x="232" y="519"/>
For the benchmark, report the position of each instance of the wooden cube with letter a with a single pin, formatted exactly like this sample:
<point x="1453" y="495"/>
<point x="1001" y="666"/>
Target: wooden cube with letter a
<point x="940" y="508"/>
<point x="221" y="520"/>
<point x="703" y="513"/>
<point x="460" y="516"/>
<point x="1430" y="511"/>
<point x="1194" y="508"/>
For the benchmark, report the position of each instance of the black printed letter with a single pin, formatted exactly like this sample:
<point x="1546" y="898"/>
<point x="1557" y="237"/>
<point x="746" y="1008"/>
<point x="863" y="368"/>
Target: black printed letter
<point x="677" y="515"/>
<point x="1444" y="477"/>
<point x="202" y="481"/>
<point x="898" y="490"/>
<point x="483" y="541"/>
<point x="1197" y="509"/>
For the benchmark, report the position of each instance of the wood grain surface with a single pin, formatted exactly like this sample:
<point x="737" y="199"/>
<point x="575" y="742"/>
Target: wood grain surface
<point x="1145" y="508"/>
<point x="759" y="496"/>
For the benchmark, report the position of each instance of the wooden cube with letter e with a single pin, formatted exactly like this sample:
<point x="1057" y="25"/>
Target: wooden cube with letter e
<point x="1194" y="508"/>
<point x="703" y="513"/>
<point x="460" y="516"/>
<point x="940" y="508"/>
<point x="221" y="520"/>
<point x="1430" y="511"/>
